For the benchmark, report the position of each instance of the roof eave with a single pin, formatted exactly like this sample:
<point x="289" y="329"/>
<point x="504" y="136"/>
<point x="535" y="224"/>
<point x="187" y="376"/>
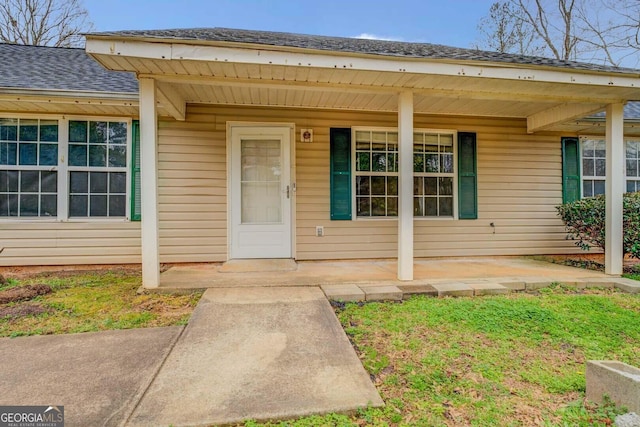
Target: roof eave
<point x="345" y="54"/>
<point x="60" y="93"/>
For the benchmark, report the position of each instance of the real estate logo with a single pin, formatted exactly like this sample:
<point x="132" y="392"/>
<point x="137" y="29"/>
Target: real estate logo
<point x="31" y="416"/>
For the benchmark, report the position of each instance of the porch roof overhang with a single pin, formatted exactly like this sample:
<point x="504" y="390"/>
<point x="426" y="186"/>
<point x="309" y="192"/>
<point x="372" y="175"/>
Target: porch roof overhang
<point x="82" y="103"/>
<point x="253" y="74"/>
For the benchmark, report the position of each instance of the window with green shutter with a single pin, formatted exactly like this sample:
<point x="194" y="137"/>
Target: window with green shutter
<point x="570" y="170"/>
<point x="467" y="176"/>
<point x="340" y="159"/>
<point x="135" y="171"/>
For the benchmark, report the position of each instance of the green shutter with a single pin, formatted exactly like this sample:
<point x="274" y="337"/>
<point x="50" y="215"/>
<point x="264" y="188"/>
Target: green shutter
<point x="340" y="151"/>
<point x="467" y="176"/>
<point x="570" y="170"/>
<point x="135" y="171"/>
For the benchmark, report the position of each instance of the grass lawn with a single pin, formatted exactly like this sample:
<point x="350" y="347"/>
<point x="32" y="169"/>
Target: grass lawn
<point x="507" y="360"/>
<point x="634" y="276"/>
<point x="489" y="361"/>
<point x="91" y="301"/>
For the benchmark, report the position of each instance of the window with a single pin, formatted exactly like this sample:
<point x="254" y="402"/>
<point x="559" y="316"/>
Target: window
<point x="433" y="174"/>
<point x="633" y="166"/>
<point x="593" y="155"/>
<point x="64" y="168"/>
<point x="97" y="169"/>
<point x="593" y="167"/>
<point x="376" y="166"/>
<point x="376" y="173"/>
<point x="28" y="155"/>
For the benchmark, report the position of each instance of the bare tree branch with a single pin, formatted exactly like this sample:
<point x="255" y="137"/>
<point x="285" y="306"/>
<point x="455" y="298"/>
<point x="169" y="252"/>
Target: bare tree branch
<point x="602" y="31"/>
<point x="57" y="23"/>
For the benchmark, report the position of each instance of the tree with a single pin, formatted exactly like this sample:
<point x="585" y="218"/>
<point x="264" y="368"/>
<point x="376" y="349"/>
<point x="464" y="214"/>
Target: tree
<point x="597" y="31"/>
<point x="504" y="30"/>
<point x="57" y="23"/>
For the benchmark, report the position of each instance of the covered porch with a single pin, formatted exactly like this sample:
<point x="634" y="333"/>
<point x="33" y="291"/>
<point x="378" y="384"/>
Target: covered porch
<point x="454" y="276"/>
<point x="176" y="70"/>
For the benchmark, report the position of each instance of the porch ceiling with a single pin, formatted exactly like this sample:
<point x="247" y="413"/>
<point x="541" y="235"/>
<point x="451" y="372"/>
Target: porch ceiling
<point x="547" y="98"/>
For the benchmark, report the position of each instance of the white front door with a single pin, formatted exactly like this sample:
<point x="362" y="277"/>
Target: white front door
<point x="260" y="219"/>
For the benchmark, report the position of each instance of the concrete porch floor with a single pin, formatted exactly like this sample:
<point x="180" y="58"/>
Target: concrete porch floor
<point x="367" y="272"/>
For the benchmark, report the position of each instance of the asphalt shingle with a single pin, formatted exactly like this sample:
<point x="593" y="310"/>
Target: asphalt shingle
<point x="353" y="45"/>
<point x="51" y="68"/>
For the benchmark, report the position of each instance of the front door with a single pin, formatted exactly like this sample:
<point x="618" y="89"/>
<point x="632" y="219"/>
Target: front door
<point x="260" y="219"/>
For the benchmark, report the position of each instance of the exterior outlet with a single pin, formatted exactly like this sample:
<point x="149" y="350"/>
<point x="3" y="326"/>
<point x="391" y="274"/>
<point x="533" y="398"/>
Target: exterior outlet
<point x="319" y="231"/>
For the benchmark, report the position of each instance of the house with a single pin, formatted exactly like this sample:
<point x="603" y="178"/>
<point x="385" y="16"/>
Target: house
<point x="256" y="144"/>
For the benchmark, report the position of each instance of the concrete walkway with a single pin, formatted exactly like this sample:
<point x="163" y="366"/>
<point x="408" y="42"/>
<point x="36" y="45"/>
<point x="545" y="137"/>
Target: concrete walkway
<point x="259" y="353"/>
<point x="98" y="377"/>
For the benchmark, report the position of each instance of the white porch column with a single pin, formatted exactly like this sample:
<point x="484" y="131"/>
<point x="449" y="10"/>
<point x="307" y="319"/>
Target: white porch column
<point x="614" y="189"/>
<point x="149" y="184"/>
<point x="405" y="186"/>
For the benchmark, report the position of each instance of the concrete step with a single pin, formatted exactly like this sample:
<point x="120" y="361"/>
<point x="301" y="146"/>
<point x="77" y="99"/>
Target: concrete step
<point x="381" y="292"/>
<point x="453" y="289"/>
<point x="472" y="287"/>
<point x="410" y="289"/>
<point x="346" y="293"/>
<point x="488" y="288"/>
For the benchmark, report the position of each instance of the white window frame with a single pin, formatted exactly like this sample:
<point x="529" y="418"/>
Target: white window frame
<point x="105" y="169"/>
<point x="63" y="167"/>
<point x="632" y="178"/>
<point x="354" y="173"/>
<point x="34" y="168"/>
<point x="454" y="174"/>
<point x="584" y="138"/>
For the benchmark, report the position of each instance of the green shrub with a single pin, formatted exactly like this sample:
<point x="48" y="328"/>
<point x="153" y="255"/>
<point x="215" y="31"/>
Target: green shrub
<point x="584" y="220"/>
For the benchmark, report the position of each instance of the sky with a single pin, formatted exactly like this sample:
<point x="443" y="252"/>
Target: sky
<point x="448" y="22"/>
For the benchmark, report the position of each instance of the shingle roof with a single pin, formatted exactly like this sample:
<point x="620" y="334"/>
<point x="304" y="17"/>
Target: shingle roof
<point x="352" y="45"/>
<point x="631" y="112"/>
<point x="50" y="68"/>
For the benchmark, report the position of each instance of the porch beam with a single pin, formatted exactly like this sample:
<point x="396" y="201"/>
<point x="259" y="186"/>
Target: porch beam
<point x="368" y="89"/>
<point x="248" y="53"/>
<point x="614" y="189"/>
<point x="172" y="100"/>
<point x="560" y="114"/>
<point x="149" y="184"/>
<point x="405" y="185"/>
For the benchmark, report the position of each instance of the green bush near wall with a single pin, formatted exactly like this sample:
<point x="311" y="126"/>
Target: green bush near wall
<point x="585" y="223"/>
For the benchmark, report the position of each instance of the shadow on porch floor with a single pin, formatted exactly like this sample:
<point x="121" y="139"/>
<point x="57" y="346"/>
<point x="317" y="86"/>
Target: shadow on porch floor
<point x="364" y="272"/>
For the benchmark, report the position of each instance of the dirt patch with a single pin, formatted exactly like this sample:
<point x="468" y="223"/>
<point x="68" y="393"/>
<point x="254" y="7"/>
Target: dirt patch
<point x="22" y="310"/>
<point x="23" y="293"/>
<point x="165" y="310"/>
<point x="23" y="272"/>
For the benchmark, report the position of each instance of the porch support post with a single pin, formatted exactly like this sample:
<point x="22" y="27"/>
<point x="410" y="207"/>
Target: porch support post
<point x="149" y="184"/>
<point x="405" y="186"/>
<point x="614" y="189"/>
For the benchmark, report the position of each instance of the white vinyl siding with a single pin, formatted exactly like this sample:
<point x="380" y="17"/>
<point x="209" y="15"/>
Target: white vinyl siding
<point x="519" y="185"/>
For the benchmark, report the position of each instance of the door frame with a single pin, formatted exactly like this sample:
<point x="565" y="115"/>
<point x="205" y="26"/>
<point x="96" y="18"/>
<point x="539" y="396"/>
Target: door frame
<point x="292" y="176"/>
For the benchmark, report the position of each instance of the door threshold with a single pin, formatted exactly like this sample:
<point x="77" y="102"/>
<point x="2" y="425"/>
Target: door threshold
<point x="258" y="265"/>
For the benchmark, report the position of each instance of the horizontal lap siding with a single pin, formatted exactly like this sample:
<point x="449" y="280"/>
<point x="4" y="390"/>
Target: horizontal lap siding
<point x="519" y="185"/>
<point x="192" y="189"/>
<point x="60" y="243"/>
